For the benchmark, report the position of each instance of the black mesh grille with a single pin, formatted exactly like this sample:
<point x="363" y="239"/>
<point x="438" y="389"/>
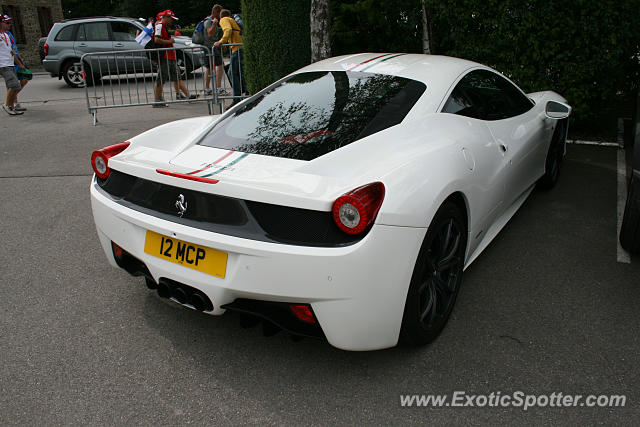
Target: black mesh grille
<point x="226" y="215"/>
<point x="298" y="226"/>
<point x="279" y="314"/>
<point x="162" y="198"/>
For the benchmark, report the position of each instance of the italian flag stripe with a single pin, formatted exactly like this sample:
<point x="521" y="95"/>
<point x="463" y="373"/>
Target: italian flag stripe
<point x="212" y="164"/>
<point x="365" y="62"/>
<point x="226" y="166"/>
<point x="382" y="60"/>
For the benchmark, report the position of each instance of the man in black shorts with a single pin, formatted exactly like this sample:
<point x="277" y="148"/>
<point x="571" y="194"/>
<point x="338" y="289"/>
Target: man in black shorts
<point x="211" y="35"/>
<point x="167" y="68"/>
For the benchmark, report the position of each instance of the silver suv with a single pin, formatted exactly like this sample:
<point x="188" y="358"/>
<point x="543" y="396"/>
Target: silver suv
<point x="68" y="40"/>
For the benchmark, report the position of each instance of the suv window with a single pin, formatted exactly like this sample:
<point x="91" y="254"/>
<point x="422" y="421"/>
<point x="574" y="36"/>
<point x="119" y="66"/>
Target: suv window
<point x="66" y="34"/>
<point x="485" y="95"/>
<point x="95" y="31"/>
<point x="124" y="32"/>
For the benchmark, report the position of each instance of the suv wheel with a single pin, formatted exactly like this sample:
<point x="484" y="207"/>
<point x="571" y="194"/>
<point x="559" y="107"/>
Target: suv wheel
<point x="72" y="73"/>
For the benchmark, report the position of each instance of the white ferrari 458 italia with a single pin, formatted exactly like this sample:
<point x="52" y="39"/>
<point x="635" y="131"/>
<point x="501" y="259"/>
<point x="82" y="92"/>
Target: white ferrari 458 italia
<point x="342" y="202"/>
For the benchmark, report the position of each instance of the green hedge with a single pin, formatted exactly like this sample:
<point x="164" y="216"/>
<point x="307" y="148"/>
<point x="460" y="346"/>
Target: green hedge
<point x="584" y="49"/>
<point x="276" y="40"/>
<point x="376" y="26"/>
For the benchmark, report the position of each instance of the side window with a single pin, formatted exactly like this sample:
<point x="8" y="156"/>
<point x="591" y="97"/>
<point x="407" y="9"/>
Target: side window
<point x="459" y="103"/>
<point x="66" y="34"/>
<point x="519" y="103"/>
<point x="124" y="32"/>
<point x="95" y="31"/>
<point x="489" y="97"/>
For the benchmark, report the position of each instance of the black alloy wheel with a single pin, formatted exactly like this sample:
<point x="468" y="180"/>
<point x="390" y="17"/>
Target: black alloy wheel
<point x="436" y="278"/>
<point x="630" y="229"/>
<point x="554" y="156"/>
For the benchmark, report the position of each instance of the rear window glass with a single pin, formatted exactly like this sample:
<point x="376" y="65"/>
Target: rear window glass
<point x="311" y="114"/>
<point x="66" y="34"/>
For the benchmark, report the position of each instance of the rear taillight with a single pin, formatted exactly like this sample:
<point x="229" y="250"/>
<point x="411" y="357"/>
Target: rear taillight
<point x="354" y="211"/>
<point x="100" y="158"/>
<point x="117" y="251"/>
<point x="303" y="312"/>
<point x="46" y="49"/>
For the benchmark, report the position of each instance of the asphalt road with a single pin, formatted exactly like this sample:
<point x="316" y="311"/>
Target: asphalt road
<point x="545" y="309"/>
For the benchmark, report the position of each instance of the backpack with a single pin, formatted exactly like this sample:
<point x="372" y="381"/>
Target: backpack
<point x="151" y="44"/>
<point x="238" y="18"/>
<point x="198" y="34"/>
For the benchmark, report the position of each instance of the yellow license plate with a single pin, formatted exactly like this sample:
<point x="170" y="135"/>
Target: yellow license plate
<point x="200" y="258"/>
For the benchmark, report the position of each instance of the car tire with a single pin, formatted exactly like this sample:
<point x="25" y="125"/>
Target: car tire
<point x="72" y="73"/>
<point x="436" y="278"/>
<point x="554" y="158"/>
<point x="630" y="230"/>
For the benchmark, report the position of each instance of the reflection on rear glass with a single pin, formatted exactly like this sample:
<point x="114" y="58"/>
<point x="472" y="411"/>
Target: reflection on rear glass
<point x="311" y="114"/>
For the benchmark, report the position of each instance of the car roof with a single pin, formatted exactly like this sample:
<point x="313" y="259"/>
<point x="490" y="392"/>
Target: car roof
<point x="437" y="72"/>
<point x="98" y="18"/>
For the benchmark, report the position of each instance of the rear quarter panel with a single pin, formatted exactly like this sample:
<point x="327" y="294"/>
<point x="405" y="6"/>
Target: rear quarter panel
<point x="421" y="163"/>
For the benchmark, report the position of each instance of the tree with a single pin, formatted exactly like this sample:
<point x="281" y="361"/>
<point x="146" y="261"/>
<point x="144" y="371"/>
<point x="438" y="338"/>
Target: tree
<point x="276" y="40"/>
<point x="320" y="24"/>
<point x="376" y="26"/>
<point x="426" y="39"/>
<point x="586" y="50"/>
<point x="190" y="12"/>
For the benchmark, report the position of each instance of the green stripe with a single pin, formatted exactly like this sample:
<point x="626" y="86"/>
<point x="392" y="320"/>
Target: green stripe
<point x="382" y="60"/>
<point x="227" y="166"/>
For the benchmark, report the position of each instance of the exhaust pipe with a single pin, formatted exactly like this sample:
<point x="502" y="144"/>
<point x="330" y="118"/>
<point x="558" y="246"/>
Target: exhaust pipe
<point x="151" y="284"/>
<point x="179" y="294"/>
<point x="184" y="294"/>
<point x="163" y="290"/>
<point x="198" y="301"/>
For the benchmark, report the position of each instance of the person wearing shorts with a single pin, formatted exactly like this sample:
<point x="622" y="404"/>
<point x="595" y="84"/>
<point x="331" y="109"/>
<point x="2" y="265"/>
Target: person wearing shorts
<point x="211" y="35"/>
<point x="7" y="61"/>
<point x="168" y="69"/>
<point x="231" y="34"/>
<point x="24" y="75"/>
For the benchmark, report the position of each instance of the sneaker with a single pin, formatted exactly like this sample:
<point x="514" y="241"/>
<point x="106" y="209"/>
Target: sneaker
<point x="192" y="96"/>
<point x="18" y="107"/>
<point x="160" y="104"/>
<point x="208" y="92"/>
<point x="180" y="96"/>
<point x="10" y="111"/>
<point x="222" y="92"/>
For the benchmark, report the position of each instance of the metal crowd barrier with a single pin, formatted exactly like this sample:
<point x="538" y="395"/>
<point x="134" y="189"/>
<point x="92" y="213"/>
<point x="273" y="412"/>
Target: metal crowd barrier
<point x="128" y="78"/>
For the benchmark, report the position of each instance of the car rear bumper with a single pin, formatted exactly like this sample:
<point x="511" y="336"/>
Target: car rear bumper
<point x="356" y="292"/>
<point x="52" y="67"/>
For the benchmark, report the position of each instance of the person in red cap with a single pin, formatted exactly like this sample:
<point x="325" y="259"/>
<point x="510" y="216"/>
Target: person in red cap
<point x="168" y="70"/>
<point x="7" y="60"/>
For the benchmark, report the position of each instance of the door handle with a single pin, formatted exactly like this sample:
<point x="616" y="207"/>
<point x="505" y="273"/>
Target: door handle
<point x="503" y="148"/>
<point x="82" y="44"/>
<point x="118" y="45"/>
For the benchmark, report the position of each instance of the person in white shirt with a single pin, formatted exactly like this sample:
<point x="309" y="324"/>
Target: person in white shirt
<point x="7" y="60"/>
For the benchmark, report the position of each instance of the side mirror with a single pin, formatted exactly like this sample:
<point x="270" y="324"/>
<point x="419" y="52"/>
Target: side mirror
<point x="557" y="110"/>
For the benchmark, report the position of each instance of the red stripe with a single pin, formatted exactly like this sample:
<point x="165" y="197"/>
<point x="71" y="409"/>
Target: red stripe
<point x="189" y="177"/>
<point x="372" y="59"/>
<point x="214" y="163"/>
